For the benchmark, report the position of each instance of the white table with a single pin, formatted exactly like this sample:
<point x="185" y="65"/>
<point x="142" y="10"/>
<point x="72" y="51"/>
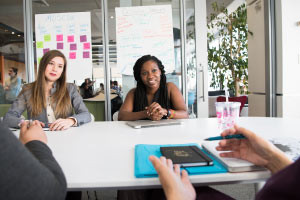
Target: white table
<point x="101" y="154"/>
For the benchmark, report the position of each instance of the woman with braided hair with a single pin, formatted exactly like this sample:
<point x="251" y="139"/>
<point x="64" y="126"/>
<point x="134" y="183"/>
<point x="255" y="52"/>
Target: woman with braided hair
<point x="153" y="98"/>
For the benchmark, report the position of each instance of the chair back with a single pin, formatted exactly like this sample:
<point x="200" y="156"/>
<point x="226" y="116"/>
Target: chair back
<point x="241" y="99"/>
<point x="115" y="116"/>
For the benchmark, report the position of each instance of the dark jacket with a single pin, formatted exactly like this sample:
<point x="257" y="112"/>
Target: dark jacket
<point x="28" y="172"/>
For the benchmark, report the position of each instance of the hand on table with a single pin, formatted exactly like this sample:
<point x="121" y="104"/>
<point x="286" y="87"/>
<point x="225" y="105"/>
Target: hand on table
<point x="32" y="131"/>
<point x="175" y="185"/>
<point x="155" y="112"/>
<point x="61" y="124"/>
<point x="253" y="148"/>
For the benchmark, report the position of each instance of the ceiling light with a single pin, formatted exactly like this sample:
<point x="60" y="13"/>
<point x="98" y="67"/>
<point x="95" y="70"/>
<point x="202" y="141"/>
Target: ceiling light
<point x="13" y="33"/>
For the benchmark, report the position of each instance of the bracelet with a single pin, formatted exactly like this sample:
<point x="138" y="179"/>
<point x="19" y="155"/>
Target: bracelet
<point x="172" y="114"/>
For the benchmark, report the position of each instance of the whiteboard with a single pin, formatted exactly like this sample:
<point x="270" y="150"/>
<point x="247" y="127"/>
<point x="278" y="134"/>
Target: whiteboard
<point x="143" y="30"/>
<point x="71" y="34"/>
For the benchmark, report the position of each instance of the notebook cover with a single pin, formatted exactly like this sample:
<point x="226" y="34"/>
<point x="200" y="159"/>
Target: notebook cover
<point x="143" y="168"/>
<point x="185" y="155"/>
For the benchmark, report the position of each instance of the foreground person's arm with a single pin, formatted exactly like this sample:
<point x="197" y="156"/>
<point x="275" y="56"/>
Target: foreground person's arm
<point x="176" y="185"/>
<point x="32" y="174"/>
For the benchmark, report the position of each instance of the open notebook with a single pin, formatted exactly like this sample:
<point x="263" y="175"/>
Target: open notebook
<point x="232" y="164"/>
<point x="149" y="123"/>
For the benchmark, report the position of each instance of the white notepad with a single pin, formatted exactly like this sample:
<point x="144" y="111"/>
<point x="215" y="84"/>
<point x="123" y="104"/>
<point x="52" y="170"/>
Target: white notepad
<point x="232" y="164"/>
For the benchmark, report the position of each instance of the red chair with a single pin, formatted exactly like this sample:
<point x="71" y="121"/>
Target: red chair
<point x="241" y="99"/>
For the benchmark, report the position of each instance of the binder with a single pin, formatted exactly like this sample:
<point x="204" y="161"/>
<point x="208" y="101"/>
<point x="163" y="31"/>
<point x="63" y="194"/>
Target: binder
<point x="143" y="168"/>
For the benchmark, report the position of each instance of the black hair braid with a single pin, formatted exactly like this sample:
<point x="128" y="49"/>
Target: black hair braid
<point x="140" y="97"/>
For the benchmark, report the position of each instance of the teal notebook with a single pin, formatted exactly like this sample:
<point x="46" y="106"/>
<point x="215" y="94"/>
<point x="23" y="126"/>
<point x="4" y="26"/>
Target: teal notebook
<point x="143" y="168"/>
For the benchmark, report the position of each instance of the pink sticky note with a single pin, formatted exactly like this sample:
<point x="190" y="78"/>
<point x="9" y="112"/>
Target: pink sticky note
<point x="83" y="38"/>
<point x="70" y="38"/>
<point x="60" y="45"/>
<point x="59" y="37"/>
<point x="86" y="45"/>
<point x="73" y="46"/>
<point x="86" y="54"/>
<point x="46" y="50"/>
<point x="72" y="55"/>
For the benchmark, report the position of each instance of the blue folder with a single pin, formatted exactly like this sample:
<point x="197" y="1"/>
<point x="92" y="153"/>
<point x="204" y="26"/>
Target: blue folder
<point x="143" y="168"/>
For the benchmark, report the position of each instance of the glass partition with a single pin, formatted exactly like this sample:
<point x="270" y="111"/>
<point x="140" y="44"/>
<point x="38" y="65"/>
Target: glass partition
<point x="12" y="57"/>
<point x="126" y="80"/>
<point x="79" y="40"/>
<point x="191" y="58"/>
<point x="68" y="6"/>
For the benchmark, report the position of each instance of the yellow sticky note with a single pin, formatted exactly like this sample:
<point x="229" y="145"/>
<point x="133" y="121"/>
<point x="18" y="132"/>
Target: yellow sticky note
<point x="39" y="45"/>
<point x="47" y="38"/>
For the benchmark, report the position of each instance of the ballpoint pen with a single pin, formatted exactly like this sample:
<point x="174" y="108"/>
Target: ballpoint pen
<point x="237" y="136"/>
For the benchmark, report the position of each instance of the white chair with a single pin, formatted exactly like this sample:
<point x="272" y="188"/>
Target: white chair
<point x="92" y="117"/>
<point x="115" y="116"/>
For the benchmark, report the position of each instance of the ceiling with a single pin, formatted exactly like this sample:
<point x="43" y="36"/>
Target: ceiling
<point x="12" y="26"/>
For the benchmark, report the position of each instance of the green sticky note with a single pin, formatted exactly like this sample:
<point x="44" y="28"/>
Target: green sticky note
<point x="47" y="38"/>
<point x="39" y="60"/>
<point x="39" y="45"/>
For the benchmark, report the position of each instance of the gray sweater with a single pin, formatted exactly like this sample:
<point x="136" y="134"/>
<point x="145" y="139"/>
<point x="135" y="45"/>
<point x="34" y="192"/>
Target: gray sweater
<point x="13" y="117"/>
<point x="28" y="172"/>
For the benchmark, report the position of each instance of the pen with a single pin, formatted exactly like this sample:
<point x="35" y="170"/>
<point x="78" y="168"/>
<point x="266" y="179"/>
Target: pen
<point x="237" y="136"/>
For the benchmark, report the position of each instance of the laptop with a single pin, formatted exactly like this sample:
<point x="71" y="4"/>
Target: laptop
<point x="149" y="123"/>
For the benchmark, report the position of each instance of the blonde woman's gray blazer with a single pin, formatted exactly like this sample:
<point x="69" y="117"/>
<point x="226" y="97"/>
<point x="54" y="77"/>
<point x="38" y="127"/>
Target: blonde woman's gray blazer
<point x="13" y="117"/>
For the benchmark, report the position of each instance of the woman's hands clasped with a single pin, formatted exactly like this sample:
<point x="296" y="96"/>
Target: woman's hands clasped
<point x="155" y="112"/>
<point x="62" y="124"/>
<point x="32" y="131"/>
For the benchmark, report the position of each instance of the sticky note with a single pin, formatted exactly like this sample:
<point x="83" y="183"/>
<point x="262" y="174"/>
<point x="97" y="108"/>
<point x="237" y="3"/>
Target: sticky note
<point x="60" y="45"/>
<point x="39" y="45"/>
<point x="70" y="38"/>
<point x="72" y="55"/>
<point x="59" y="37"/>
<point x="73" y="46"/>
<point x="83" y="38"/>
<point x="47" y="38"/>
<point x="86" y="45"/>
<point x="86" y="54"/>
<point x="46" y="50"/>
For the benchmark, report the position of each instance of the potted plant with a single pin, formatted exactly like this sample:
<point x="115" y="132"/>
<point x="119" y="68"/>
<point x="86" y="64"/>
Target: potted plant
<point x="228" y="49"/>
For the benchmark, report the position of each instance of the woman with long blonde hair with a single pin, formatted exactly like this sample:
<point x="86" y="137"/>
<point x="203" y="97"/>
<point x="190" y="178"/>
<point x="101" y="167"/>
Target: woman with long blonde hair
<point x="50" y="99"/>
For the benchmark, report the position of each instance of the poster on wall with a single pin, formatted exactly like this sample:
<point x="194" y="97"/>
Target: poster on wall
<point x="69" y="33"/>
<point x="143" y="30"/>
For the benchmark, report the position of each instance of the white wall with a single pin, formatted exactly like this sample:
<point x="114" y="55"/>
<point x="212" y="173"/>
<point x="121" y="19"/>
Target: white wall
<point x="288" y="57"/>
<point x="256" y="47"/>
<point x="289" y="39"/>
<point x="256" y="58"/>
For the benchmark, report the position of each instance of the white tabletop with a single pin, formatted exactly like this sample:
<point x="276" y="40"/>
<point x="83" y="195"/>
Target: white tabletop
<point x="101" y="154"/>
